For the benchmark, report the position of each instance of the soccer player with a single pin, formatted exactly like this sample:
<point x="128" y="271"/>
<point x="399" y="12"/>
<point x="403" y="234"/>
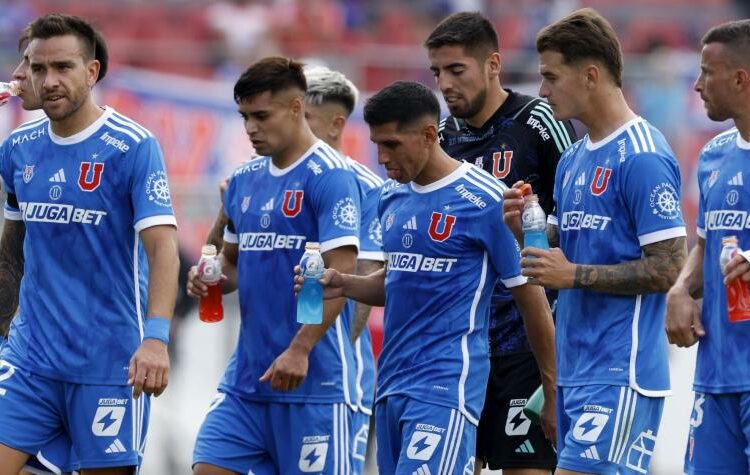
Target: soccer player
<point x="446" y="246"/>
<point x="621" y="242"/>
<point x="287" y="396"/>
<point x="55" y="457"/>
<point x="719" y="440"/>
<point x="513" y="137"/>
<point x="329" y="100"/>
<point x="90" y="186"/>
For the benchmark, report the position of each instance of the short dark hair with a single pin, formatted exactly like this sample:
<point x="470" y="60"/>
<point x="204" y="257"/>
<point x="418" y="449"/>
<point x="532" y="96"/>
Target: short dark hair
<point x="735" y="35"/>
<point x="471" y="30"/>
<point x="582" y="35"/>
<point x="403" y="102"/>
<point x="273" y="74"/>
<point x="57" y="24"/>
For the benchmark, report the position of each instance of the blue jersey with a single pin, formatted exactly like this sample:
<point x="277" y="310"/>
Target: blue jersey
<point x="613" y="197"/>
<point x="723" y="363"/>
<point x="272" y="214"/>
<point x="446" y="245"/>
<point x="370" y="248"/>
<point x="84" y="199"/>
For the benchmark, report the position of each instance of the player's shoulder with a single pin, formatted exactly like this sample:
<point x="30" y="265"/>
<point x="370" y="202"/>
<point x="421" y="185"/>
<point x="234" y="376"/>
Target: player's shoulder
<point x="479" y="187"/>
<point x="392" y="188"/>
<point x="537" y="115"/>
<point x="28" y="132"/>
<point x="365" y="176"/>
<point x="450" y="125"/>
<point x="122" y="132"/>
<point x="639" y="141"/>
<point x="720" y="142"/>
<point x="255" y="164"/>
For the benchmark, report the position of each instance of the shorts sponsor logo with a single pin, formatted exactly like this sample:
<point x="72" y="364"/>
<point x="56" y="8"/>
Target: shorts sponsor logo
<point x="575" y="220"/>
<point x="589" y="426"/>
<point x="411" y="262"/>
<point x="157" y="189"/>
<point x="345" y="214"/>
<point x="108" y="417"/>
<point x="422" y="445"/>
<point x="664" y="202"/>
<point x="59" y="213"/>
<point x="269" y="241"/>
<point x="640" y="452"/>
<point x="517" y="423"/>
<point x="312" y="457"/>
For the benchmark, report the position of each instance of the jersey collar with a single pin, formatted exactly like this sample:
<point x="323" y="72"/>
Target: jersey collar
<point x="596" y="145"/>
<point x="85" y="133"/>
<point x="276" y="171"/>
<point x="445" y="181"/>
<point x="742" y="143"/>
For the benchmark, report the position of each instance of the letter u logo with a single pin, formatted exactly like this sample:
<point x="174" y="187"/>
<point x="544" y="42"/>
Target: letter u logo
<point x="507" y="157"/>
<point x="292" y="204"/>
<point x="600" y="181"/>
<point x="90" y="183"/>
<point x="447" y="227"/>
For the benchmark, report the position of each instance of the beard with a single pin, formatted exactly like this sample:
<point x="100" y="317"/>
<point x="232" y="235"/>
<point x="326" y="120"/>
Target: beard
<point x="472" y="108"/>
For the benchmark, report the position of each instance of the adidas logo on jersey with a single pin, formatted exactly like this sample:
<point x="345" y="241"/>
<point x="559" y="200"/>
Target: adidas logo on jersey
<point x="268" y="206"/>
<point x="411" y="224"/>
<point x="525" y="448"/>
<point x="581" y="180"/>
<point x="116" y="447"/>
<point x="591" y="453"/>
<point x="423" y="470"/>
<point x="736" y="180"/>
<point x="58" y="177"/>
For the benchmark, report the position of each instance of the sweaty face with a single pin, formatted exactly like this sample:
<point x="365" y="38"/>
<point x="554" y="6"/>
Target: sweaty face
<point x="402" y="153"/>
<point x="60" y="76"/>
<point x="462" y="80"/>
<point x="268" y="121"/>
<point x="715" y="82"/>
<point x="29" y="100"/>
<point x="562" y="85"/>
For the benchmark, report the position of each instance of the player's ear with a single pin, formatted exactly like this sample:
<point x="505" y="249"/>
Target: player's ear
<point x="591" y="75"/>
<point x="742" y="79"/>
<point x="493" y="65"/>
<point x="92" y="72"/>
<point x="430" y="133"/>
<point x="338" y="124"/>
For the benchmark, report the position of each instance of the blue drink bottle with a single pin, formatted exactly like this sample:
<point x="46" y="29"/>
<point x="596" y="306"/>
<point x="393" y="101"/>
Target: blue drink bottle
<point x="534" y="224"/>
<point x="310" y="298"/>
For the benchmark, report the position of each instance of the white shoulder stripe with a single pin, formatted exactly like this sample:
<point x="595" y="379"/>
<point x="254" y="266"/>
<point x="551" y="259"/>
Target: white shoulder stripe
<point x="367" y="172"/>
<point x="326" y="160"/>
<point x="123" y="130"/>
<point x="365" y="179"/>
<point x="126" y="121"/>
<point x="332" y="160"/>
<point x="636" y="148"/>
<point x="335" y="157"/>
<point x="555" y="126"/>
<point x="647" y="132"/>
<point x="32" y="124"/>
<point x="639" y="133"/>
<point x="562" y="140"/>
<point x="471" y="179"/>
<point x="490" y="181"/>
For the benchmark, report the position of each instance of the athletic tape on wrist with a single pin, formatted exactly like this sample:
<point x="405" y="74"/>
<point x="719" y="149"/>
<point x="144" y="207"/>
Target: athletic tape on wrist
<point x="157" y="328"/>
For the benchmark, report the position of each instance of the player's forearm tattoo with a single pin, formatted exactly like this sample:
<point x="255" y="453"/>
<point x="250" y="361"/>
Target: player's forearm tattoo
<point x="362" y="311"/>
<point x="553" y="235"/>
<point x="11" y="269"/>
<point x="656" y="271"/>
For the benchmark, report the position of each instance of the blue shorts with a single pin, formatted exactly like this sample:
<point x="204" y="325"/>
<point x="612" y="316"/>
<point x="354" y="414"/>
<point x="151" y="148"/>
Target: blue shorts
<point x="360" y="431"/>
<point x="606" y="429"/>
<point x="55" y="457"/>
<point x="267" y="438"/>
<point x="104" y="424"/>
<point x="719" y="440"/>
<point x="422" y="438"/>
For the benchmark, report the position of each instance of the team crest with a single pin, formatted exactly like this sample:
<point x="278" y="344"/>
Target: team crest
<point x="600" y="181"/>
<point x="245" y="204"/>
<point x="389" y="221"/>
<point x="90" y="175"/>
<point x="28" y="173"/>
<point x="501" y="163"/>
<point x="713" y="177"/>
<point x="440" y="232"/>
<point x="566" y="177"/>
<point x="292" y="204"/>
<point x="479" y="161"/>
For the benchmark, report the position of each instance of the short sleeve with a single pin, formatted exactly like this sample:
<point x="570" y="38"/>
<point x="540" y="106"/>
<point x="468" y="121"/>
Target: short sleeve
<point x="150" y="196"/>
<point x="700" y="218"/>
<point x="230" y="231"/>
<point x="502" y="247"/>
<point x="650" y="188"/>
<point x="11" y="210"/>
<point x="337" y="204"/>
<point x="371" y="236"/>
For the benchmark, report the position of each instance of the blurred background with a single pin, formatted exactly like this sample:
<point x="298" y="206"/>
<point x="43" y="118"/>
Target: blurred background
<point x="173" y="64"/>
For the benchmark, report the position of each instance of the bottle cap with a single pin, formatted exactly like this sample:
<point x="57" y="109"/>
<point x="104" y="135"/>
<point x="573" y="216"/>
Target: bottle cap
<point x="13" y="87"/>
<point x="729" y="240"/>
<point x="312" y="246"/>
<point x="531" y="198"/>
<point x="208" y="250"/>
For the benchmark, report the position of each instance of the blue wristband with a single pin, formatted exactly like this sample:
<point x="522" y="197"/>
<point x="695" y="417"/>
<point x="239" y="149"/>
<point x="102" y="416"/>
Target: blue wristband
<point x="157" y="328"/>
